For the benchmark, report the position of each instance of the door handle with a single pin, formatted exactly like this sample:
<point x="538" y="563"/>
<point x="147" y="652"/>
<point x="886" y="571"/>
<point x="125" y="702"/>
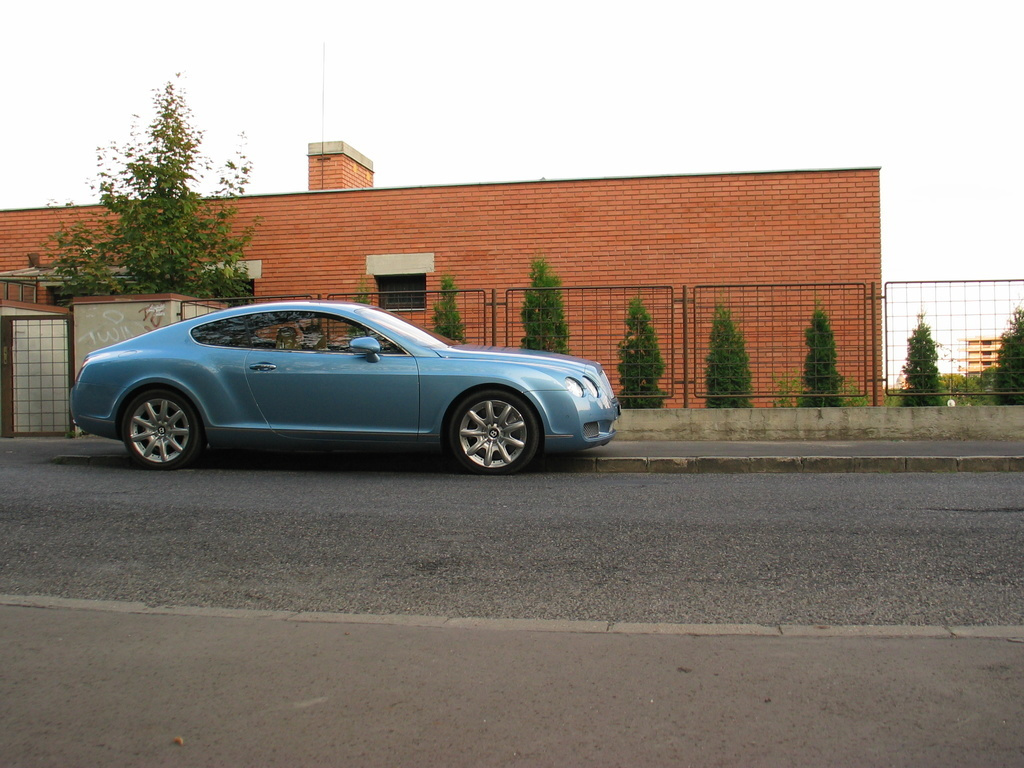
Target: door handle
<point x="262" y="367"/>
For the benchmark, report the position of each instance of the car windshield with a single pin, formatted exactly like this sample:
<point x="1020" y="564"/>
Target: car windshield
<point x="403" y="327"/>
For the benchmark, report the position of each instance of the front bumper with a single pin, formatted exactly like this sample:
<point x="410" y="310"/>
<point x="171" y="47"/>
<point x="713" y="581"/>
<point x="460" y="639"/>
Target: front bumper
<point x="578" y="423"/>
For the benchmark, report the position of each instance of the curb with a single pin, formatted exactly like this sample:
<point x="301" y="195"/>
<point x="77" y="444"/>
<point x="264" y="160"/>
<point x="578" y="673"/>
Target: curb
<point x="708" y="465"/>
<point x="719" y="465"/>
<point x="1009" y="633"/>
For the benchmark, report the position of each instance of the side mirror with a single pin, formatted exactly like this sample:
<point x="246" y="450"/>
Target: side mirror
<point x="367" y="346"/>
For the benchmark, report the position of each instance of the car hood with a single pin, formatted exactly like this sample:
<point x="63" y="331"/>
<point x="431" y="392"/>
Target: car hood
<point x="566" y="363"/>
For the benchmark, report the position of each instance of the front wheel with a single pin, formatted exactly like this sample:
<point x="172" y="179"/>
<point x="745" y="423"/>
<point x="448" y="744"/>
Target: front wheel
<point x="493" y="433"/>
<point x="161" y="430"/>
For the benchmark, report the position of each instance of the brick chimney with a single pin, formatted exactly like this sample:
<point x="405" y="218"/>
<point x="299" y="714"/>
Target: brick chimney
<point x="335" y="165"/>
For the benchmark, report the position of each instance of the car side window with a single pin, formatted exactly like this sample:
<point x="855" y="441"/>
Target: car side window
<point x="310" y="332"/>
<point x="231" y="332"/>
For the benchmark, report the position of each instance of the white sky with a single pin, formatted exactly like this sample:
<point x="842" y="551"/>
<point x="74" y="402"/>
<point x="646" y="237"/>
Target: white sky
<point x="462" y="92"/>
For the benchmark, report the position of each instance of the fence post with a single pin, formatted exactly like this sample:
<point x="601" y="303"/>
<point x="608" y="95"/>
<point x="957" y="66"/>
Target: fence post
<point x="876" y="375"/>
<point x="686" y="348"/>
<point x="494" y="317"/>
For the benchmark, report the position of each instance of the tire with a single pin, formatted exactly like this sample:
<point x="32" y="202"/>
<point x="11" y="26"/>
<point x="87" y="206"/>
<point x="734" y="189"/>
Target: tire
<point x="493" y="432"/>
<point x="161" y="430"/>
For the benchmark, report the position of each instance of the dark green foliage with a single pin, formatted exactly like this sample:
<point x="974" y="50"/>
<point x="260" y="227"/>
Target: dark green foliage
<point x="447" y="320"/>
<point x="822" y="382"/>
<point x="969" y="390"/>
<point x="640" y="362"/>
<point x="1009" y="371"/>
<point x="727" y="365"/>
<point x="921" y="372"/>
<point x="86" y="258"/>
<point x="155" y="233"/>
<point x="543" y="313"/>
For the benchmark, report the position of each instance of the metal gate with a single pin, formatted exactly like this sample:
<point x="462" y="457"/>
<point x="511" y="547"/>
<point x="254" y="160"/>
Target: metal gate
<point x="35" y="376"/>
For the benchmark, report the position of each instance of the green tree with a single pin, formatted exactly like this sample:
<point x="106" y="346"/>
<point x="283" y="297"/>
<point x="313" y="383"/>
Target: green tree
<point x="155" y="232"/>
<point x="921" y="371"/>
<point x="822" y="382"/>
<point x="543" y="313"/>
<point x="1009" y="371"/>
<point x="640" y="363"/>
<point x="447" y="319"/>
<point x="727" y="365"/>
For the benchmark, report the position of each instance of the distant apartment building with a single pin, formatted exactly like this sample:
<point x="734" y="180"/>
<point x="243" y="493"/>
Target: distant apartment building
<point x="980" y="354"/>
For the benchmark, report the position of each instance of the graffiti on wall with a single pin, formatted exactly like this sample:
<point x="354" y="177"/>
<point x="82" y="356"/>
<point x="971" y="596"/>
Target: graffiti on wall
<point x="153" y="316"/>
<point x="118" y="324"/>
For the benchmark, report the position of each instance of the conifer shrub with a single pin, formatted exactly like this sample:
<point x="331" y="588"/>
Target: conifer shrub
<point x="1009" y="369"/>
<point x="921" y="371"/>
<point x="543" y="312"/>
<point x="363" y="292"/>
<point x="640" y="362"/>
<point x="447" y="318"/>
<point x="727" y="365"/>
<point x="821" y="380"/>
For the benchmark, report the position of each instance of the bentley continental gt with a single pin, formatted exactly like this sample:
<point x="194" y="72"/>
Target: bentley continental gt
<point x="337" y="376"/>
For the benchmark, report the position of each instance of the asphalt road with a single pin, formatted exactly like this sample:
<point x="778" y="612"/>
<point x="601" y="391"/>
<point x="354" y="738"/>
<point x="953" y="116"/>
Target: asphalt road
<point x="313" y="534"/>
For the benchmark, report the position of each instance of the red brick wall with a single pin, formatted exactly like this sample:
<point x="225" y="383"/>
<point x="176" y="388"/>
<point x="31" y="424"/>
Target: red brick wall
<point x="27" y="231"/>
<point x="776" y="227"/>
<point x="801" y="226"/>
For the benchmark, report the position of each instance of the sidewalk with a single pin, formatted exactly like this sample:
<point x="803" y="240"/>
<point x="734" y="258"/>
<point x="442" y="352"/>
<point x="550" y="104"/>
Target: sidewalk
<point x="121" y="685"/>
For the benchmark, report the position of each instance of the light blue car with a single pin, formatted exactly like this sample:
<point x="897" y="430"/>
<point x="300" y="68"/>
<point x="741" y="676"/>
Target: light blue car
<point x="337" y="376"/>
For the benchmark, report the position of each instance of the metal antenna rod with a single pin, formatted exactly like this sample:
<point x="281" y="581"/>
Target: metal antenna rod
<point x="323" y="109"/>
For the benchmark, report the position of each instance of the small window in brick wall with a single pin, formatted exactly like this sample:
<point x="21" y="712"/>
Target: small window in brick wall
<point x="402" y="291"/>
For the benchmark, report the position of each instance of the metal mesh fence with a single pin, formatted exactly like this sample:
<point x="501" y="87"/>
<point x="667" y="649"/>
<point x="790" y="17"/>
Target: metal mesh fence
<point x="591" y="322"/>
<point x="773" y="322"/>
<point x="200" y="307"/>
<point x="459" y="315"/>
<point x="966" y="320"/>
<point x="38" y="376"/>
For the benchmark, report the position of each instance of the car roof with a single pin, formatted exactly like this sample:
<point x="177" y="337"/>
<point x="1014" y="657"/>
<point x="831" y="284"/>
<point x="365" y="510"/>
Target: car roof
<point x="296" y="304"/>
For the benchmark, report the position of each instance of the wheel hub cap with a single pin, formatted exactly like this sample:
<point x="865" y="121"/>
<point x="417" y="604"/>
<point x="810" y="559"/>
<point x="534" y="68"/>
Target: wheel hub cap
<point x="492" y="433"/>
<point x="160" y="431"/>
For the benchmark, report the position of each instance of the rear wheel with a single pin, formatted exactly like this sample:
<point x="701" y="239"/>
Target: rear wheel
<point x="161" y="430"/>
<point x="493" y="433"/>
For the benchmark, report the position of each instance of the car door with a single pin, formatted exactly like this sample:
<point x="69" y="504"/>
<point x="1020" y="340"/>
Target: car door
<point x="309" y="384"/>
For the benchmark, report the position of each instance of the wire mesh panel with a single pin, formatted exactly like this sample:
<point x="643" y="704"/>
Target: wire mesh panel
<point x="965" y="320"/>
<point x="461" y="315"/>
<point x="601" y="324"/>
<point x="774" y="323"/>
<point x="202" y="307"/>
<point x="36" y="376"/>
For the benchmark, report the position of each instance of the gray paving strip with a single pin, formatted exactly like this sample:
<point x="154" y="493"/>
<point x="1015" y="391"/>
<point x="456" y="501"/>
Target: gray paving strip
<point x="1010" y="633"/>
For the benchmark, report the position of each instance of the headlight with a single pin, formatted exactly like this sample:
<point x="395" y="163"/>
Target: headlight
<point x="591" y="387"/>
<point x="574" y="387"/>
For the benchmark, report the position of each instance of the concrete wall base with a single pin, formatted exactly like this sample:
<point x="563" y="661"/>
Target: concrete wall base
<point x="1005" y="422"/>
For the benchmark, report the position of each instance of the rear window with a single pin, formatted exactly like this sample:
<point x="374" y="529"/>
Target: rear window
<point x="230" y="332"/>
